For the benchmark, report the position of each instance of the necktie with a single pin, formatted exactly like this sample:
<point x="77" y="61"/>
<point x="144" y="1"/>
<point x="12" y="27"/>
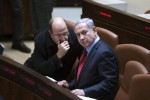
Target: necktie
<point x="81" y="62"/>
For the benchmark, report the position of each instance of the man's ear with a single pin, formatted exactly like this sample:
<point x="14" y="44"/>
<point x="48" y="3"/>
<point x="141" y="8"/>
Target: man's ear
<point x="94" y="29"/>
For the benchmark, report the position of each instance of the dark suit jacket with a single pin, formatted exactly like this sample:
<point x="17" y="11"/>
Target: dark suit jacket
<point x="1" y="49"/>
<point x="44" y="58"/>
<point x="99" y="75"/>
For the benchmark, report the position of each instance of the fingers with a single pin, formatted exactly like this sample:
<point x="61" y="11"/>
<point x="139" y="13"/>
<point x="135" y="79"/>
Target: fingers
<point x="78" y="92"/>
<point x="60" y="83"/>
<point x="65" y="45"/>
<point x="59" y="42"/>
<point x="63" y="83"/>
<point x="62" y="49"/>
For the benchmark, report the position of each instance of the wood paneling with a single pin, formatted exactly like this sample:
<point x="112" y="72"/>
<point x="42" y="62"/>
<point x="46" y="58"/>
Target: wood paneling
<point x="129" y="28"/>
<point x="18" y="82"/>
<point x="8" y="19"/>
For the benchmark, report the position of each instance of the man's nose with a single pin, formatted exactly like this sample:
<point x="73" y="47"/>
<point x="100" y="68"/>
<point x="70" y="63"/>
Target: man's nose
<point x="81" y="36"/>
<point x="63" y="38"/>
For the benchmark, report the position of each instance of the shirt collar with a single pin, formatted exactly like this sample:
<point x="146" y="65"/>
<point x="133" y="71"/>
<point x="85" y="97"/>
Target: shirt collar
<point x="89" y="48"/>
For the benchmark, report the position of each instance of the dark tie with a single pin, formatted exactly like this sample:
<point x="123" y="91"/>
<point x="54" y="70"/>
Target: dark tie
<point x="81" y="62"/>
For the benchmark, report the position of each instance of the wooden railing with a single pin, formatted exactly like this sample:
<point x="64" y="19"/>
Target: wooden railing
<point x="18" y="82"/>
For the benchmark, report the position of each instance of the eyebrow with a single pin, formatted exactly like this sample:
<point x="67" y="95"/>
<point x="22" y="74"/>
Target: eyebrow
<point x="83" y="31"/>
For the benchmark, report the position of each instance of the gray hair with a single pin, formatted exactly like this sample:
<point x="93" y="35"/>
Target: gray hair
<point x="88" y="21"/>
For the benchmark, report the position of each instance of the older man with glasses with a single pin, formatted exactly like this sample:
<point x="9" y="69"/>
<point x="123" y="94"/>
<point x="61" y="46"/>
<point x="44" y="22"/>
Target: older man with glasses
<point x="56" y="50"/>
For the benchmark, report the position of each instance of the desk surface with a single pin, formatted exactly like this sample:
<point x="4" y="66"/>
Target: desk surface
<point x="106" y="2"/>
<point x="147" y="16"/>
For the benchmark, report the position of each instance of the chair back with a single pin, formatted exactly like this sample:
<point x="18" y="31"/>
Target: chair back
<point x="140" y="87"/>
<point x="108" y="36"/>
<point x="127" y="52"/>
<point x="70" y="24"/>
<point x="132" y="68"/>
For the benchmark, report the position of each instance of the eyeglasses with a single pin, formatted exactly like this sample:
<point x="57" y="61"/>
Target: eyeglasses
<point x="59" y="35"/>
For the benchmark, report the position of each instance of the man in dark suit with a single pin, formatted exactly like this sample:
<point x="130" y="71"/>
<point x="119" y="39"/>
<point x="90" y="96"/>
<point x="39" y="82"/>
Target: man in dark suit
<point x="1" y="49"/>
<point x="55" y="50"/>
<point x="99" y="74"/>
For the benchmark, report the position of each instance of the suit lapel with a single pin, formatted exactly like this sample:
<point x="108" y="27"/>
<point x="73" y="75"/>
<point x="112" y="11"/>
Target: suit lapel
<point x="89" y="59"/>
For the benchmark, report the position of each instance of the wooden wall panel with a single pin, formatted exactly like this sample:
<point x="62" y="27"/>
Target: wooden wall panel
<point x="8" y="19"/>
<point x="129" y="27"/>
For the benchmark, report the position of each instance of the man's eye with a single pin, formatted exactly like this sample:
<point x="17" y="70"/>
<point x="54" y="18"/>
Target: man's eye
<point x="84" y="32"/>
<point x="78" y="34"/>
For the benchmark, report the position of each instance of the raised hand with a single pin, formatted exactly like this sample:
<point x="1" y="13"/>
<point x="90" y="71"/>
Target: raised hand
<point x="62" y="49"/>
